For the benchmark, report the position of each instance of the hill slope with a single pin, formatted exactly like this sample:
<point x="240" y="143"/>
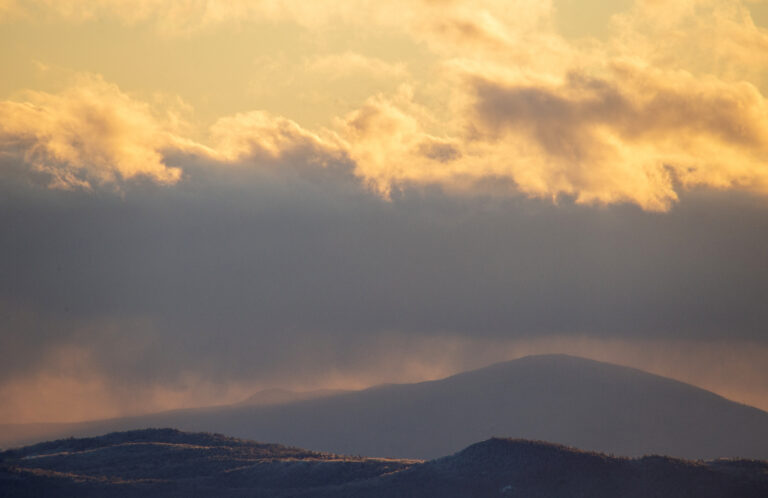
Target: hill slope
<point x="281" y="396"/>
<point x="583" y="403"/>
<point x="169" y="463"/>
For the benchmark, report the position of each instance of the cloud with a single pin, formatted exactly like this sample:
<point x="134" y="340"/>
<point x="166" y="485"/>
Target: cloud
<point x="260" y="135"/>
<point x="240" y="262"/>
<point x="94" y="135"/>
<point x="605" y="123"/>
<point x="628" y="135"/>
<point x="631" y="133"/>
<point x="389" y="144"/>
<point x="90" y="134"/>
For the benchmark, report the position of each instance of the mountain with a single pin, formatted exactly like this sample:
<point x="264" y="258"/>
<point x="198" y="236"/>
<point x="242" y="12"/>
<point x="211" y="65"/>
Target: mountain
<point x="168" y="463"/>
<point x="277" y="396"/>
<point x="583" y="403"/>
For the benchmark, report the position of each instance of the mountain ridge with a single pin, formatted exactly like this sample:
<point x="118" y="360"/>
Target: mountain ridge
<point x="575" y="401"/>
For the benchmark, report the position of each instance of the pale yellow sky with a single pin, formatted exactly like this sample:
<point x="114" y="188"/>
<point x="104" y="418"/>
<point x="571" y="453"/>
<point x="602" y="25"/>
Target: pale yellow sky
<point x="281" y="67"/>
<point x="247" y="64"/>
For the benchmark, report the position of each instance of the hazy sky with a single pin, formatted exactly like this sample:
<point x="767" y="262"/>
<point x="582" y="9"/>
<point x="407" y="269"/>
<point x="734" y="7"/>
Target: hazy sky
<point x="201" y="198"/>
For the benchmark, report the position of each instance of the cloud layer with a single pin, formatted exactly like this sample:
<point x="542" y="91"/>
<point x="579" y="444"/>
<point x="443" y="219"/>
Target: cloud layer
<point x="241" y="276"/>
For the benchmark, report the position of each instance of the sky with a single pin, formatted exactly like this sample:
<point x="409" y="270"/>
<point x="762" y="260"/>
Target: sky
<point x="204" y="198"/>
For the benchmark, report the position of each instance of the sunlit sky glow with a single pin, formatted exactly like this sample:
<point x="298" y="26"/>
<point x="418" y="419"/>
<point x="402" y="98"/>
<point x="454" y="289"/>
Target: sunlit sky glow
<point x="331" y="184"/>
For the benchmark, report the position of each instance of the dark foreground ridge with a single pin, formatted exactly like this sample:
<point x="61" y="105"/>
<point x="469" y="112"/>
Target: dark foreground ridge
<point x="170" y="463"/>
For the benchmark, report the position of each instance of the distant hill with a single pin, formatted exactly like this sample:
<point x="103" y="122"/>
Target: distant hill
<point x="168" y="463"/>
<point x="583" y="403"/>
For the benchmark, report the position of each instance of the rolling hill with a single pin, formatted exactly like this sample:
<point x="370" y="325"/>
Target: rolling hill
<point x="169" y="463"/>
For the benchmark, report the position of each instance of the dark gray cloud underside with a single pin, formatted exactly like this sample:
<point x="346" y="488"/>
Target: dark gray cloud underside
<point x="230" y="268"/>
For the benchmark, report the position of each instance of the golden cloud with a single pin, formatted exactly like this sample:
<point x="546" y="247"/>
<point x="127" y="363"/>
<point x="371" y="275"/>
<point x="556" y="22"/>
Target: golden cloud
<point x="388" y="141"/>
<point x="259" y="135"/>
<point x="93" y="134"/>
<point x="90" y="133"/>
<point x="617" y="121"/>
<point x="628" y="135"/>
